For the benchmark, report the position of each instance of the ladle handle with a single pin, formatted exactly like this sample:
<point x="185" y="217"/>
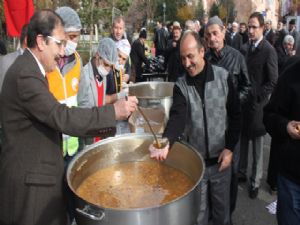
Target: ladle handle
<point x="156" y="140"/>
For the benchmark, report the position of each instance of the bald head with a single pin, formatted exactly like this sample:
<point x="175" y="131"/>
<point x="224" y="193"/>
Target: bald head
<point x="192" y="35"/>
<point x="192" y="53"/>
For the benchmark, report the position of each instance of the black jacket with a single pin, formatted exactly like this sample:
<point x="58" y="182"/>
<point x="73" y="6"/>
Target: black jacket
<point x="245" y="37"/>
<point x="279" y="36"/>
<point x="233" y="61"/>
<point x="283" y="57"/>
<point x="270" y="37"/>
<point x="263" y="74"/>
<point x="284" y="106"/>
<point x="173" y="61"/>
<point x="236" y="41"/>
<point x="138" y="57"/>
<point x="160" y="39"/>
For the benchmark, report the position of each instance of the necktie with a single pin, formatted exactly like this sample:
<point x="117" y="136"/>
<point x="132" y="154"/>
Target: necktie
<point x="252" y="46"/>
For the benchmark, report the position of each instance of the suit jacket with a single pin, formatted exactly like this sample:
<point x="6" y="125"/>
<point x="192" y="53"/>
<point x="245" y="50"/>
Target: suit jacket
<point x="5" y="62"/>
<point x="263" y="74"/>
<point x="138" y="57"/>
<point x="270" y="37"/>
<point x="31" y="161"/>
<point x="235" y="42"/>
<point x="283" y="58"/>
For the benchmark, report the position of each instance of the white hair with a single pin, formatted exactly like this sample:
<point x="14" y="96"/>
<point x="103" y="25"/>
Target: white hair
<point x="235" y="24"/>
<point x="189" y="25"/>
<point x="288" y="39"/>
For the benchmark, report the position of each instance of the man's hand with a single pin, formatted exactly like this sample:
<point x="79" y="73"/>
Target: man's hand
<point x="159" y="153"/>
<point x="125" y="78"/>
<point x="293" y="129"/>
<point x="225" y="159"/>
<point x="123" y="108"/>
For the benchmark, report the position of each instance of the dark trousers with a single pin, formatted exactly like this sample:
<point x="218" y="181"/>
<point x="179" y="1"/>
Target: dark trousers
<point x="213" y="192"/>
<point x="257" y="164"/>
<point x="1" y="139"/>
<point x="234" y="177"/>
<point x="68" y="192"/>
<point x="288" y="204"/>
<point x="273" y="164"/>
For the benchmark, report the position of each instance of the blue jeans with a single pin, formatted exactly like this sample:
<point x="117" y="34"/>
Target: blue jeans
<point x="288" y="205"/>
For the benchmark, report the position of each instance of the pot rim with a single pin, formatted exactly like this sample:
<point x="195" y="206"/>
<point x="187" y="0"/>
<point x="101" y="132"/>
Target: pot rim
<point x="149" y="83"/>
<point x="125" y="136"/>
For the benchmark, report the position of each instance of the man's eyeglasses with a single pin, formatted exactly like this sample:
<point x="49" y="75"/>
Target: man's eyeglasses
<point x="59" y="43"/>
<point x="252" y="27"/>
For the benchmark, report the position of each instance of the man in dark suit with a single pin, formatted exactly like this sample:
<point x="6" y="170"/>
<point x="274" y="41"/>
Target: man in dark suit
<point x="234" y="39"/>
<point x="31" y="162"/>
<point x="269" y="34"/>
<point x="280" y="34"/>
<point x="244" y="32"/>
<point x="261" y="59"/>
<point x="293" y="31"/>
<point x="138" y="56"/>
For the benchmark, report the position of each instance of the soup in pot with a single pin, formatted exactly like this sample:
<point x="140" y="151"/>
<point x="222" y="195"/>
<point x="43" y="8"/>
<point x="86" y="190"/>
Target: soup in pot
<point x="135" y="185"/>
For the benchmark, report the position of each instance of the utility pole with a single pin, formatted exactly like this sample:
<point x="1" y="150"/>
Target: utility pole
<point x="164" y="10"/>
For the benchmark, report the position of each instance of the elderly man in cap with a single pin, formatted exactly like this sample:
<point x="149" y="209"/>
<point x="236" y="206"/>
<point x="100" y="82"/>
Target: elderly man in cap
<point x="64" y="80"/>
<point x="233" y="61"/>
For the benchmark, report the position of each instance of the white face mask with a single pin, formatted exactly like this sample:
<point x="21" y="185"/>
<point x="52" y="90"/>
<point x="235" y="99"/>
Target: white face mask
<point x="102" y="71"/>
<point x="70" y="48"/>
<point x="119" y="67"/>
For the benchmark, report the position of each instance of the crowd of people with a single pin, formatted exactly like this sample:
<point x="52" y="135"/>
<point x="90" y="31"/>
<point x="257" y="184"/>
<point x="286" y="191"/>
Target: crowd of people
<point x="233" y="84"/>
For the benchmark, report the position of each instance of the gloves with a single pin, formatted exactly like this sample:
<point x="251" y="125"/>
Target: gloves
<point x="160" y="153"/>
<point x="122" y="94"/>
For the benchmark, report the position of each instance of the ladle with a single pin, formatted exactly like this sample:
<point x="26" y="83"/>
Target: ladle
<point x="145" y="117"/>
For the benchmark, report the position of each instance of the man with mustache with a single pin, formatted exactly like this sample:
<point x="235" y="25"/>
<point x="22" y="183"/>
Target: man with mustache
<point x="206" y="114"/>
<point x="31" y="161"/>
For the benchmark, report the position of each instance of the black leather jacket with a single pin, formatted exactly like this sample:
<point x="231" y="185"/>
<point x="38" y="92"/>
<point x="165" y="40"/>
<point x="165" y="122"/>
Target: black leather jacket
<point x="233" y="61"/>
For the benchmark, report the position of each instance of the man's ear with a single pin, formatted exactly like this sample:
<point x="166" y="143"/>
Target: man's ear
<point x="40" y="42"/>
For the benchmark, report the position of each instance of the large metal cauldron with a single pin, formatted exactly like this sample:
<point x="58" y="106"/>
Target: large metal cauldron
<point x="133" y="148"/>
<point x="154" y="94"/>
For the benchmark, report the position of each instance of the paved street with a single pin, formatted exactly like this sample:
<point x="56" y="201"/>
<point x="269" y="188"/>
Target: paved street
<point x="254" y="212"/>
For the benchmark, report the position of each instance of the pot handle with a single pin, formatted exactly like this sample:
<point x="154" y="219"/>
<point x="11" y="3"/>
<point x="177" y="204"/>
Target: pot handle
<point x="90" y="213"/>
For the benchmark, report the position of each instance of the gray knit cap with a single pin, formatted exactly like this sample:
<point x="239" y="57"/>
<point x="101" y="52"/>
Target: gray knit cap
<point x="215" y="20"/>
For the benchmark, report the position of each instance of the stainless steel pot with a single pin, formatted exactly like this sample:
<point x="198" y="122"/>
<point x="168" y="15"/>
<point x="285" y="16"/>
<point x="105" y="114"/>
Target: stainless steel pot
<point x="133" y="148"/>
<point x="154" y="94"/>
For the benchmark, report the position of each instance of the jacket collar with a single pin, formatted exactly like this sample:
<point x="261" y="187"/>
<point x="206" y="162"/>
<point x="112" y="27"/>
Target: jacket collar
<point x="214" y="57"/>
<point x="208" y="72"/>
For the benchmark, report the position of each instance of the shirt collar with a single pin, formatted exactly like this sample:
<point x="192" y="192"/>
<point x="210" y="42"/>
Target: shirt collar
<point x="258" y="41"/>
<point x="38" y="62"/>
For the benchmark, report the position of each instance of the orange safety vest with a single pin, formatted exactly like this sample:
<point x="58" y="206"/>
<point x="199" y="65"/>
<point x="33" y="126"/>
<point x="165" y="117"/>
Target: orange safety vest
<point x="65" y="89"/>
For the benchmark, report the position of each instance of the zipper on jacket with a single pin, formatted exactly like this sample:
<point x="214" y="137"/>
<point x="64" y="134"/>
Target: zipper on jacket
<point x="205" y="129"/>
